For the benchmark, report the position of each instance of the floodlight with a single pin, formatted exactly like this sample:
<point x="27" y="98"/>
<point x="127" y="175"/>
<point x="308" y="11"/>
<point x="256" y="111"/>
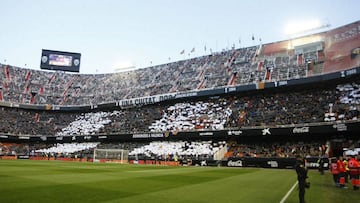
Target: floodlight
<point x="302" y="27"/>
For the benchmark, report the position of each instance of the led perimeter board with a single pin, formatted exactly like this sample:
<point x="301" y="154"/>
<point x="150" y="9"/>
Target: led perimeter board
<point x="59" y="60"/>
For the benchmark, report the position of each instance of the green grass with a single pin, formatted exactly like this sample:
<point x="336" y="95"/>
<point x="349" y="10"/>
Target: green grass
<point x="53" y="181"/>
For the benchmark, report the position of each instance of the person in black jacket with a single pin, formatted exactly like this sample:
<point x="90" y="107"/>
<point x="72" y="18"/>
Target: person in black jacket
<point x="321" y="165"/>
<point x="301" y="172"/>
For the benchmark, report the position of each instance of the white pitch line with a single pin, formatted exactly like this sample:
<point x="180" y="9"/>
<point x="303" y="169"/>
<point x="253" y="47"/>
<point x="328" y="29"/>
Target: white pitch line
<point x="288" y="193"/>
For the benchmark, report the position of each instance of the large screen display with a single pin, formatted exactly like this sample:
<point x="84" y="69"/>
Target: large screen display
<point x="59" y="60"/>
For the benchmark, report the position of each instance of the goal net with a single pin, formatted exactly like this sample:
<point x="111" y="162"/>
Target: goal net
<point x="111" y="155"/>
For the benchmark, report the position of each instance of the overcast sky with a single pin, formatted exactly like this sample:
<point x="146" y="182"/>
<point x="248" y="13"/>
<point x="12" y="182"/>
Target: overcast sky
<point x="111" y="34"/>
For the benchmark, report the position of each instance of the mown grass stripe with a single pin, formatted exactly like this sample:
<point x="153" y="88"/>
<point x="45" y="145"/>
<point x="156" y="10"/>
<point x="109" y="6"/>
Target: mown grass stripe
<point x="56" y="181"/>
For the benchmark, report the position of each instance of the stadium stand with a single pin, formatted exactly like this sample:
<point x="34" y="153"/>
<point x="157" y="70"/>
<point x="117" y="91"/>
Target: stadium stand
<point x="251" y="92"/>
<point x="278" y="150"/>
<point x="67" y="148"/>
<point x="327" y="103"/>
<point x="233" y="67"/>
<point x="169" y="150"/>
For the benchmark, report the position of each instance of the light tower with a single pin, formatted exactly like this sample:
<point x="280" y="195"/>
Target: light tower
<point x="299" y="28"/>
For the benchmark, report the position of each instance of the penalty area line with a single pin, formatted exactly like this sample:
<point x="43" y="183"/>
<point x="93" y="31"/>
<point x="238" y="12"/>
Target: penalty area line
<point x="289" y="192"/>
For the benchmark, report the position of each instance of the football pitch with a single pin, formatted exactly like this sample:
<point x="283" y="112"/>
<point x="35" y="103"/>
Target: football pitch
<point x="56" y="181"/>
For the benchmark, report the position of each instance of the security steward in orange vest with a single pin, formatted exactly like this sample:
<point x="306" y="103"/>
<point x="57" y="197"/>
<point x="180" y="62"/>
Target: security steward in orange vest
<point x="335" y="172"/>
<point x="342" y="171"/>
<point x="354" y="170"/>
<point x="346" y="164"/>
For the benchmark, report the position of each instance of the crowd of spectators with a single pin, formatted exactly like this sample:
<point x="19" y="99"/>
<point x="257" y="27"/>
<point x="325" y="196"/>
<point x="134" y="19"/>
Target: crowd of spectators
<point x="67" y="148"/>
<point x="88" y="123"/>
<point x="13" y="149"/>
<point x="183" y="150"/>
<point x="58" y="150"/>
<point x="325" y="103"/>
<point x="200" y="150"/>
<point x="173" y="150"/>
<point x="285" y="150"/>
<point x="232" y="67"/>
<point x="193" y="115"/>
<point x="227" y="68"/>
<point x="26" y="122"/>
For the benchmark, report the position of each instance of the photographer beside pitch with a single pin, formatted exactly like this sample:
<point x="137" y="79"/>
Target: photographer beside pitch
<point x="301" y="172"/>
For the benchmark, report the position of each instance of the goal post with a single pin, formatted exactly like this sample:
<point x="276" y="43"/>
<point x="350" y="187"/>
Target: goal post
<point x="111" y="156"/>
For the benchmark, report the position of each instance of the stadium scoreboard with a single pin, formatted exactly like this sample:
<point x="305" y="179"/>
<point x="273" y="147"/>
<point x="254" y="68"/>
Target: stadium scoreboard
<point x="59" y="60"/>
